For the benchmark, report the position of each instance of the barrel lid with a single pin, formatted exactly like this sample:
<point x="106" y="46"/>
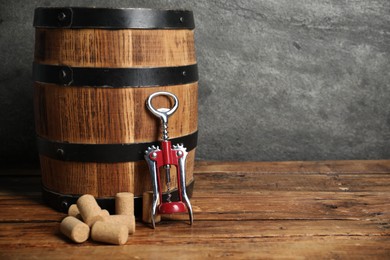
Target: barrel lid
<point x="112" y="18"/>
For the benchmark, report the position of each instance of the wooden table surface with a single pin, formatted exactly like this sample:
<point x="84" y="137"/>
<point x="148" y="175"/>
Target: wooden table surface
<point x="250" y="210"/>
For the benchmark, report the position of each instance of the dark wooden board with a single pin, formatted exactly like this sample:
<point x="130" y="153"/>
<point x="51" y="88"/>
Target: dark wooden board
<point x="333" y="209"/>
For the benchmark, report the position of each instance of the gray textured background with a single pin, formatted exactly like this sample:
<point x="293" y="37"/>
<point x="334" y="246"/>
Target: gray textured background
<point x="279" y="80"/>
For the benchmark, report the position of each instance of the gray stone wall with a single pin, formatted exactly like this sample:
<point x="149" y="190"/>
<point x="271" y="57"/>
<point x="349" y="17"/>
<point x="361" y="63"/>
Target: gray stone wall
<point x="279" y="80"/>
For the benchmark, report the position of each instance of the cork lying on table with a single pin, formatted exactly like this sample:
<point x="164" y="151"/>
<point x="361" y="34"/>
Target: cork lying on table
<point x="74" y="211"/>
<point x="90" y="211"/>
<point x="109" y="232"/>
<point x="126" y="220"/>
<point x="74" y="229"/>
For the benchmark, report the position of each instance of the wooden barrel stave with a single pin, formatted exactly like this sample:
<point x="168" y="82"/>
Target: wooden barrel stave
<point x="76" y="115"/>
<point x="115" y="48"/>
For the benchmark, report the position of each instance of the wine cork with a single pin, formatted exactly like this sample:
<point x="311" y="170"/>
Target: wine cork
<point x="147" y="200"/>
<point x="124" y="203"/>
<point x="110" y="233"/>
<point x="104" y="213"/>
<point x="74" y="211"/>
<point x="74" y="229"/>
<point x="89" y="209"/>
<point x="127" y="220"/>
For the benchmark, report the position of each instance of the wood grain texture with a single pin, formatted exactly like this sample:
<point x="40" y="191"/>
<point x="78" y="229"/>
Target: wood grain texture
<point x="104" y="116"/>
<point x="115" y="48"/>
<point x="242" y="210"/>
<point x="89" y="115"/>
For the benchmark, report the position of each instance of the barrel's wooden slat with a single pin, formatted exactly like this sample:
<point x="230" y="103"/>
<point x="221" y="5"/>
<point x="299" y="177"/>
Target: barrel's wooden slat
<point x="101" y="115"/>
<point x="115" y="48"/>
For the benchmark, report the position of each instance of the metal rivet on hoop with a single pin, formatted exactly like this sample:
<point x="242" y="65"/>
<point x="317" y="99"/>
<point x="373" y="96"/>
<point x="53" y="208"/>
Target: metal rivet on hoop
<point x="60" y="153"/>
<point x="61" y="16"/>
<point x="64" y="205"/>
<point x="63" y="74"/>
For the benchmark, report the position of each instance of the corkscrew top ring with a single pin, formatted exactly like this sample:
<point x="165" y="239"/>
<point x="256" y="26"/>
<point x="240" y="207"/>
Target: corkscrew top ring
<point x="162" y="112"/>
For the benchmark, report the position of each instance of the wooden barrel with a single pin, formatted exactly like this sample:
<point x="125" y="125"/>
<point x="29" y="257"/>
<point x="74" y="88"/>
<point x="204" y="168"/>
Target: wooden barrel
<point x="93" y="70"/>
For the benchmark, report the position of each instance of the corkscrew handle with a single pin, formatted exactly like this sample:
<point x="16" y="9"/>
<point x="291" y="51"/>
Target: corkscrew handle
<point x="163" y="113"/>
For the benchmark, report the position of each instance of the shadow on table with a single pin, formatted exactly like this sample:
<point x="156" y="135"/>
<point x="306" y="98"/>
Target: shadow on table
<point x="24" y="183"/>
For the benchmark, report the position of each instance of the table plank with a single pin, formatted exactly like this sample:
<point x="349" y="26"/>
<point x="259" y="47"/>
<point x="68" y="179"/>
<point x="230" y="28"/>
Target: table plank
<point x="263" y="248"/>
<point x="317" y="167"/>
<point x="332" y="209"/>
